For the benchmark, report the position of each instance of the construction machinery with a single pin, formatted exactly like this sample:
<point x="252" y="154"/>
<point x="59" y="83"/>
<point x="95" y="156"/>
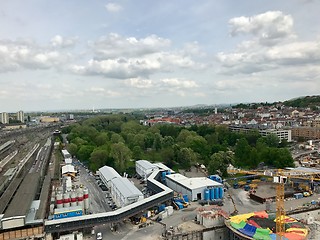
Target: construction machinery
<point x="280" y="177"/>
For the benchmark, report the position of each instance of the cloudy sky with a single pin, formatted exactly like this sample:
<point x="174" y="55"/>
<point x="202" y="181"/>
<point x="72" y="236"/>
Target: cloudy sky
<point x="80" y="54"/>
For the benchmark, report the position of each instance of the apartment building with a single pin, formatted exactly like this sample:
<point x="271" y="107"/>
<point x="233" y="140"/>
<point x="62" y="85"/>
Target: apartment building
<point x="281" y="133"/>
<point x="4" y="118"/>
<point x="306" y="132"/>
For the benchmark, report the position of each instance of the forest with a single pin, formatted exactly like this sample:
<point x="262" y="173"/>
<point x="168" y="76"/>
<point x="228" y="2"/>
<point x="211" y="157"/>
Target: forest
<point x="119" y="140"/>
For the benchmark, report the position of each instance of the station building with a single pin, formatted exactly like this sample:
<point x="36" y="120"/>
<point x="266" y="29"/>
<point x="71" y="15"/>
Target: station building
<point x="196" y="188"/>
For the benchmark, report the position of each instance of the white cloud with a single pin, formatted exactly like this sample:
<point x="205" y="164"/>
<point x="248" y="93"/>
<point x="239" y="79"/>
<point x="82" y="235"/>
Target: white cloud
<point x="254" y="55"/>
<point x="179" y="83"/>
<point x="16" y="55"/>
<point x="113" y="7"/>
<point x="144" y="66"/>
<point x="139" y="83"/>
<point x="59" y="41"/>
<point x="270" y="27"/>
<point x="115" y="45"/>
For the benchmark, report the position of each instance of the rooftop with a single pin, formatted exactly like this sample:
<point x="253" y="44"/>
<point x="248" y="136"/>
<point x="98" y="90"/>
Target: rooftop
<point x="193" y="183"/>
<point x="108" y="173"/>
<point x="146" y="164"/>
<point x="126" y="187"/>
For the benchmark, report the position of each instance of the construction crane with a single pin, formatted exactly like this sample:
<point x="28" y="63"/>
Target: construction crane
<point x="280" y="177"/>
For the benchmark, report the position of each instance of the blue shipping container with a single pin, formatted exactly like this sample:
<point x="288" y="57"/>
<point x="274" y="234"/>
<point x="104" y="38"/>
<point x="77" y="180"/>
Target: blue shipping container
<point x="221" y="193"/>
<point x="206" y="194"/>
<point x="216" y="193"/>
<point x="212" y="196"/>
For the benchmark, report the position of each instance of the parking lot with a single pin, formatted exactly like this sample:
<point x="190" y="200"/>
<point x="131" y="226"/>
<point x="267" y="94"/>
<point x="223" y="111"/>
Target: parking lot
<point x="98" y="195"/>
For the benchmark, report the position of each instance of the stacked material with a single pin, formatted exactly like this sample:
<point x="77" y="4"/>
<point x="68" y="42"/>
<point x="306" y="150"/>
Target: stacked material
<point x="262" y="226"/>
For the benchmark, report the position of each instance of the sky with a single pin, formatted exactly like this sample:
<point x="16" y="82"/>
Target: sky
<point x="84" y="54"/>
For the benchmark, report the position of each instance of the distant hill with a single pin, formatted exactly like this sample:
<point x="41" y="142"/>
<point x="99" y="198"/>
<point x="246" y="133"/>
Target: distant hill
<point x="300" y="102"/>
<point x="303" y="102"/>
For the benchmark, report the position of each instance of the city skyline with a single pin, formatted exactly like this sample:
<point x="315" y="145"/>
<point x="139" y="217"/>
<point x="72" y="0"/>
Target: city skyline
<point x="58" y="55"/>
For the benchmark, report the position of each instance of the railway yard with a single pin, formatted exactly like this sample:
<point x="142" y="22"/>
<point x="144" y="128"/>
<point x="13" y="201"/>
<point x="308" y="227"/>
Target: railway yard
<point x="47" y="195"/>
<point x="23" y="177"/>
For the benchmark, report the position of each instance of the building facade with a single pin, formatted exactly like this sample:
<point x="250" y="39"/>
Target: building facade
<point x="195" y="188"/>
<point x="4" y="118"/>
<point x="20" y="116"/>
<point x="306" y="133"/>
<point x="282" y="134"/>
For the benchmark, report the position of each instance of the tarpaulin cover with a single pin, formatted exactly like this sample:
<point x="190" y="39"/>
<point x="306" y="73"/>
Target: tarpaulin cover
<point x="242" y="217"/>
<point x="293" y="236"/>
<point x="254" y="223"/>
<point x="261" y="214"/>
<point x="301" y="231"/>
<point x="238" y="225"/>
<point x="294" y="225"/>
<point x="248" y="230"/>
<point x="288" y="219"/>
<point x="264" y="222"/>
<point x="262" y="234"/>
<point x="274" y="237"/>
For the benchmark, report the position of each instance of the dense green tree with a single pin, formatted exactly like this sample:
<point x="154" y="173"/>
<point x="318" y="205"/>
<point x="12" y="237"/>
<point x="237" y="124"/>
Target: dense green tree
<point x="168" y="156"/>
<point x="116" y="138"/>
<point x="218" y="148"/>
<point x="72" y="149"/>
<point x="212" y="139"/>
<point x="184" y="134"/>
<point x="148" y="140"/>
<point x="198" y="144"/>
<point x="137" y="153"/>
<point x="167" y="141"/>
<point x="79" y="142"/>
<point x="98" y="158"/>
<point x="272" y="140"/>
<point x="219" y="163"/>
<point x="252" y="137"/>
<point x="242" y="153"/>
<point x="121" y="155"/>
<point x="157" y="142"/>
<point x="139" y="140"/>
<point x="186" y="157"/>
<point x="101" y="139"/>
<point x="169" y="130"/>
<point x="84" y="152"/>
<point x="131" y="127"/>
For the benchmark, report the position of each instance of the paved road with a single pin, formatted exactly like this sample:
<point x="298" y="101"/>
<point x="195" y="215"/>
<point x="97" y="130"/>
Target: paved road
<point x="98" y="200"/>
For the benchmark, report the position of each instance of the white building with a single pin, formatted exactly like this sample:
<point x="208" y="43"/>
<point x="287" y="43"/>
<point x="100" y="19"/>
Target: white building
<point x="68" y="170"/>
<point x="65" y="153"/>
<point x="4" y="118"/>
<point x="161" y="166"/>
<point x="107" y="173"/>
<point x="144" y="168"/>
<point x="124" y="192"/>
<point x="20" y="116"/>
<point x="193" y="187"/>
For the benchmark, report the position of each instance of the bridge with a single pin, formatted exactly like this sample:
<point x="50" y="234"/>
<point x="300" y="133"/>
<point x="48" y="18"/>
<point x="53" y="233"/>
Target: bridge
<point x="162" y="194"/>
